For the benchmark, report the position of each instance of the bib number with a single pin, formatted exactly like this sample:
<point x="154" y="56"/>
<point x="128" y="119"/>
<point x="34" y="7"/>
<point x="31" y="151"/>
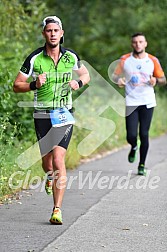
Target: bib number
<point x="60" y="117"/>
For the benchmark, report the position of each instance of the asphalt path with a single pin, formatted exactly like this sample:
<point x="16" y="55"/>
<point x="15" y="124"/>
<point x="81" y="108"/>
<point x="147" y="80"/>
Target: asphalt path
<point x="107" y="207"/>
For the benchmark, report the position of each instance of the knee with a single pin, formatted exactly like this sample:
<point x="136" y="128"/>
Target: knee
<point x="131" y="138"/>
<point x="58" y="162"/>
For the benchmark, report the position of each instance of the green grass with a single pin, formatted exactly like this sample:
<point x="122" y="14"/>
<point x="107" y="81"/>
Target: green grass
<point x="159" y="122"/>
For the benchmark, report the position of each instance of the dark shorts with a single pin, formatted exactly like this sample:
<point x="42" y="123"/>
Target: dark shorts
<point x="49" y="136"/>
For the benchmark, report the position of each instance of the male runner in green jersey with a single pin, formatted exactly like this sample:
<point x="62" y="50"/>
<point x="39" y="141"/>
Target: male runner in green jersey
<point x="51" y="68"/>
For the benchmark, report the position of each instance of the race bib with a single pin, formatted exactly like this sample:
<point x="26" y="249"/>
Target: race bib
<point x="60" y="117"/>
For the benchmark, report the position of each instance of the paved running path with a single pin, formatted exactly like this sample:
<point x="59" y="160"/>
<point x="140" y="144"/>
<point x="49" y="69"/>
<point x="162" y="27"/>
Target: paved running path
<point x="122" y="212"/>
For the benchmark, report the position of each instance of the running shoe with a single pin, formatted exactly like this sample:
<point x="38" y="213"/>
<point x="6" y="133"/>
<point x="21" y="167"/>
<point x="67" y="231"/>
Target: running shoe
<point x="56" y="217"/>
<point x="141" y="170"/>
<point x="132" y="154"/>
<point x="48" y="186"/>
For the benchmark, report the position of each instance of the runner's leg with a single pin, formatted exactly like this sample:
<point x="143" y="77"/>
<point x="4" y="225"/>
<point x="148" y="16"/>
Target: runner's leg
<point x="47" y="163"/>
<point x="60" y="175"/>
<point x="145" y="117"/>
<point x="132" y="125"/>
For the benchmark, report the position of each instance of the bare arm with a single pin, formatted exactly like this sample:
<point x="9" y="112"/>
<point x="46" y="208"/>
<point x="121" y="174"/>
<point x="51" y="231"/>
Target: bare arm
<point x="161" y="81"/>
<point x="83" y="75"/>
<point x="118" y="80"/>
<point x="21" y="85"/>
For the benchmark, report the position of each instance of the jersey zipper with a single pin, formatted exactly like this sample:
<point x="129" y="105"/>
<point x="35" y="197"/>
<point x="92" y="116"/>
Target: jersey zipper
<point x="55" y="82"/>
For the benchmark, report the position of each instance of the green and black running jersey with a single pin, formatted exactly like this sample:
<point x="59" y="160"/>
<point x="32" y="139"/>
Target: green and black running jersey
<point x="55" y="92"/>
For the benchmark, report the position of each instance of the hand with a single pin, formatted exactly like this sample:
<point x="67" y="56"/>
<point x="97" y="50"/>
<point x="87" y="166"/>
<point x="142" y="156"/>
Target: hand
<point x="41" y="80"/>
<point x="74" y="84"/>
<point x="153" y="80"/>
<point x="121" y="82"/>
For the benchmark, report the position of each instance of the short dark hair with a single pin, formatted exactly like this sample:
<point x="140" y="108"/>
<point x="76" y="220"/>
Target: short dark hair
<point x="138" y="34"/>
<point x="51" y="20"/>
